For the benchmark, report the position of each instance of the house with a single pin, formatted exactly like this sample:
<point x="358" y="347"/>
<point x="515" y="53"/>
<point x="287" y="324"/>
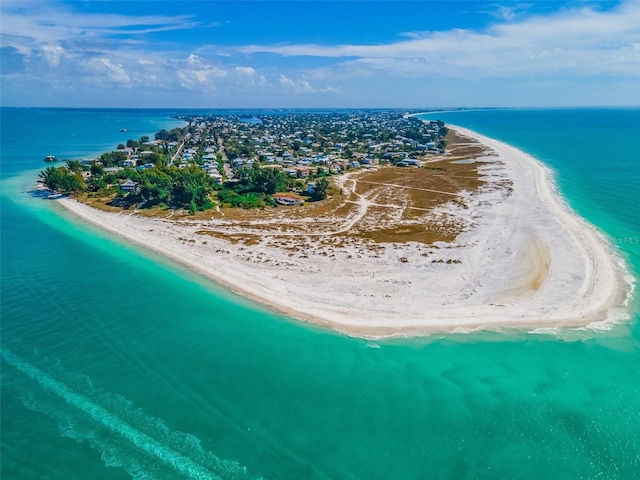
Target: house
<point x="287" y="199"/>
<point x="129" y="186"/>
<point x="217" y="178"/>
<point x="303" y="172"/>
<point x="311" y="186"/>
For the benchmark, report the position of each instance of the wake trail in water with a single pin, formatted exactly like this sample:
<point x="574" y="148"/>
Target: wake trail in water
<point x="158" y="442"/>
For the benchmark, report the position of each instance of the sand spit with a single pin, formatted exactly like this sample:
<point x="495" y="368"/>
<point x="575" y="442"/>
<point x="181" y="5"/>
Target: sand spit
<point x="523" y="260"/>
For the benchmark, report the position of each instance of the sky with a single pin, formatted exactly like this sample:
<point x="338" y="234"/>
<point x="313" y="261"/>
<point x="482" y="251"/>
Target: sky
<point x="358" y="54"/>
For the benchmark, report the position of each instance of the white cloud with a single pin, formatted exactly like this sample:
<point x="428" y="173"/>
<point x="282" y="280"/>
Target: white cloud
<point x="248" y="77"/>
<point x="248" y="71"/>
<point x="102" y="67"/>
<point x="51" y="22"/>
<point x="580" y="41"/>
<point x="52" y="54"/>
<point x="193" y="59"/>
<point x="286" y="81"/>
<point x="195" y="73"/>
<point x="302" y="85"/>
<point x="508" y="13"/>
<point x="298" y="86"/>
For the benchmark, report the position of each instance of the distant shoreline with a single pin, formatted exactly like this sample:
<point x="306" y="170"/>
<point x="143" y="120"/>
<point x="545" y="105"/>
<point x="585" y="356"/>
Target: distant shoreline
<point x="526" y="261"/>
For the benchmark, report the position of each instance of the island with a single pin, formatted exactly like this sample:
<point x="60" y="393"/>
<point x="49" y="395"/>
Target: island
<point x="372" y="223"/>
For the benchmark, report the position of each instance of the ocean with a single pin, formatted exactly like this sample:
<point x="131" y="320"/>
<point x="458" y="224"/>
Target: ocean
<point x="117" y="363"/>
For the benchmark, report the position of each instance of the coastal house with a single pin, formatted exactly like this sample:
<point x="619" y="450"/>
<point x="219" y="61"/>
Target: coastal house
<point x="217" y="178"/>
<point x="287" y="199"/>
<point x="129" y="186"/>
<point x="311" y="187"/>
<point x="302" y="172"/>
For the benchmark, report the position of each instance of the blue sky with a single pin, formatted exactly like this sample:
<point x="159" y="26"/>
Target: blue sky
<point x="415" y="54"/>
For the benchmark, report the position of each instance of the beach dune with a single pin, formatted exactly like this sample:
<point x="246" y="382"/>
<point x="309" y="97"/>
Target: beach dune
<point x="523" y="260"/>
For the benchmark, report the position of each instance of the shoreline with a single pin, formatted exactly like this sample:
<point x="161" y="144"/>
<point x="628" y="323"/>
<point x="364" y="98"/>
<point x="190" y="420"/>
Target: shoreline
<point x="526" y="262"/>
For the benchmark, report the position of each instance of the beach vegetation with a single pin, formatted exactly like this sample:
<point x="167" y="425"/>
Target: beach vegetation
<point x="63" y="180"/>
<point x="231" y="198"/>
<point x="320" y="189"/>
<point x="173" y="135"/>
<point x="113" y="159"/>
<point x="96" y="184"/>
<point x="263" y="180"/>
<point x="75" y="166"/>
<point x="188" y="188"/>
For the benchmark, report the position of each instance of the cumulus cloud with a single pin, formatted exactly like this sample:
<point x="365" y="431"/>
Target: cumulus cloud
<point x="298" y="86"/>
<point x="248" y="77"/>
<point x="302" y="85"/>
<point x="248" y="71"/>
<point x="286" y="81"/>
<point x="52" y="54"/>
<point x="103" y="68"/>
<point x="195" y="73"/>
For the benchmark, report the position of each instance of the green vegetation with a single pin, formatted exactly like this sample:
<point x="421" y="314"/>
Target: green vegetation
<point x="263" y="180"/>
<point x="189" y="188"/>
<point x="232" y="198"/>
<point x="320" y="189"/>
<point x="63" y="180"/>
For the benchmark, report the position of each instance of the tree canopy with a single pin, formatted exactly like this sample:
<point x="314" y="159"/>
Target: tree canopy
<point x="320" y="190"/>
<point x="63" y="180"/>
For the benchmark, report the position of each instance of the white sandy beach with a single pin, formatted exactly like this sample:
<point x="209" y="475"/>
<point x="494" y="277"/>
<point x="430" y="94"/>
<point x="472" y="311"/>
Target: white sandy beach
<point x="524" y="260"/>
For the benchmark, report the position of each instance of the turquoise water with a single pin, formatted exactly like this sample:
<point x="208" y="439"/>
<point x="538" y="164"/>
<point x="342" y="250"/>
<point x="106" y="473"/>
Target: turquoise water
<point x="117" y="364"/>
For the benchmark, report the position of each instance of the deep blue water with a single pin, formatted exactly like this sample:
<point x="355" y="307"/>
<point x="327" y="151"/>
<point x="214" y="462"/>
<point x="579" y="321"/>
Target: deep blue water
<point x="119" y="364"/>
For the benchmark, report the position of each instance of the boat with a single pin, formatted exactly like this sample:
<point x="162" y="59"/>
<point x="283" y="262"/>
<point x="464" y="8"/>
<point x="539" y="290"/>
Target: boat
<point x="123" y="129"/>
<point x="50" y="158"/>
